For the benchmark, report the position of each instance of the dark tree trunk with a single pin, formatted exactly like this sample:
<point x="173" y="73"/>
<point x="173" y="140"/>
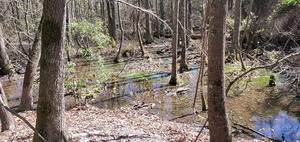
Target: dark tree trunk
<point x="50" y="121"/>
<point x="7" y="120"/>
<point x="111" y="14"/>
<point x="173" y="80"/>
<point x="218" y="120"/>
<point x="32" y="64"/>
<point x="148" y="34"/>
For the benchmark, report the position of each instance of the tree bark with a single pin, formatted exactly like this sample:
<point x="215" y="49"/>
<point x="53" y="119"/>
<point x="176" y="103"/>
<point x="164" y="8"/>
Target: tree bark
<point x="32" y="65"/>
<point x="50" y="121"/>
<point x="5" y="66"/>
<point x="219" y="129"/>
<point x="148" y="34"/>
<point x="7" y="120"/>
<point x="173" y="80"/>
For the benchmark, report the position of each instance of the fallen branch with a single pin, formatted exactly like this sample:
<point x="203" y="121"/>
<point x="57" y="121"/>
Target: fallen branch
<point x="201" y="130"/>
<point x="182" y="116"/>
<point x="26" y="122"/>
<point x="259" y="133"/>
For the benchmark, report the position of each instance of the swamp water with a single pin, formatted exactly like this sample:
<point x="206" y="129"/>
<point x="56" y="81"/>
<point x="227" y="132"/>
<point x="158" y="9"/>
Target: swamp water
<point x="129" y="89"/>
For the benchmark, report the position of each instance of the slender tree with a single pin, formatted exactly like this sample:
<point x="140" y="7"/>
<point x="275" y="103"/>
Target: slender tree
<point x="7" y="120"/>
<point x="148" y="34"/>
<point x="50" y="121"/>
<point x="236" y="32"/>
<point x="183" y="34"/>
<point x="219" y="129"/>
<point x="139" y="36"/>
<point x="173" y="80"/>
<point x="122" y="34"/>
<point x="162" y="16"/>
<point x="32" y="64"/>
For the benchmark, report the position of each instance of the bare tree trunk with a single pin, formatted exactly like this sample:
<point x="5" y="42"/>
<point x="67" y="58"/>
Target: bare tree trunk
<point x="139" y="31"/>
<point x="173" y="80"/>
<point x="122" y="34"/>
<point x="32" y="65"/>
<point x="50" y="121"/>
<point x="236" y="32"/>
<point x="162" y="16"/>
<point x="219" y="128"/>
<point x="148" y="34"/>
<point x="7" y="120"/>
<point x="183" y="35"/>
<point x="111" y="19"/>
<point x="5" y="66"/>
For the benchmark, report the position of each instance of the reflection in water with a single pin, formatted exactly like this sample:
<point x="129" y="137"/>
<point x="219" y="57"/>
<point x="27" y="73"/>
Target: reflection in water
<point x="277" y="126"/>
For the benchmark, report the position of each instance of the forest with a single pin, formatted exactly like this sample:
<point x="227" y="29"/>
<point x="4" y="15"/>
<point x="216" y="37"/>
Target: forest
<point x="149" y="70"/>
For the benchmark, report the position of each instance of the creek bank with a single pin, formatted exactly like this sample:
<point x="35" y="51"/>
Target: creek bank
<point x="87" y="123"/>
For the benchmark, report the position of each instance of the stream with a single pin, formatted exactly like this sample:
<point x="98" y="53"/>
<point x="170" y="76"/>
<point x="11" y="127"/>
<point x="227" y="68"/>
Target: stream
<point x="126" y="88"/>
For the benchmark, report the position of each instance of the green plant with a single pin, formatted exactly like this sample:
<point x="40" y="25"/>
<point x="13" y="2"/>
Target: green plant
<point x="284" y="7"/>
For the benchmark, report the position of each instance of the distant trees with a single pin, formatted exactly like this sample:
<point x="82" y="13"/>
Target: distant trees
<point x="219" y="128"/>
<point x="50" y="121"/>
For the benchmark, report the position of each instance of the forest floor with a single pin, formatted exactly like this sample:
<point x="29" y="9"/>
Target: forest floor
<point x="87" y="124"/>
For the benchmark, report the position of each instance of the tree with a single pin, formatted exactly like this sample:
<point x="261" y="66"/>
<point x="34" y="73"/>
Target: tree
<point x="162" y="16"/>
<point x="5" y="66"/>
<point x="183" y="34"/>
<point x="218" y="120"/>
<point x="236" y="32"/>
<point x="50" y="121"/>
<point x="148" y="34"/>
<point x="173" y="80"/>
<point x="7" y="120"/>
<point x="32" y="64"/>
<point x="111" y="19"/>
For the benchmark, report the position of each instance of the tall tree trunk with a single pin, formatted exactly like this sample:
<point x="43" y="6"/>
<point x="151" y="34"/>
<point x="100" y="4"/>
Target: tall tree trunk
<point x="236" y="32"/>
<point x="173" y="80"/>
<point x="32" y="64"/>
<point x="5" y="66"/>
<point x="183" y="35"/>
<point x="7" y="120"/>
<point x="162" y="16"/>
<point x="50" y="122"/>
<point x="139" y="31"/>
<point x="219" y="129"/>
<point x="148" y="34"/>
<point x="122" y="34"/>
<point x="68" y="32"/>
<point x="111" y="14"/>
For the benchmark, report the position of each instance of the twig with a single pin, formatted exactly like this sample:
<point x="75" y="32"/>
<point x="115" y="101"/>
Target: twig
<point x="259" y="133"/>
<point x="182" y="116"/>
<point x="122" y="69"/>
<point x="201" y="130"/>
